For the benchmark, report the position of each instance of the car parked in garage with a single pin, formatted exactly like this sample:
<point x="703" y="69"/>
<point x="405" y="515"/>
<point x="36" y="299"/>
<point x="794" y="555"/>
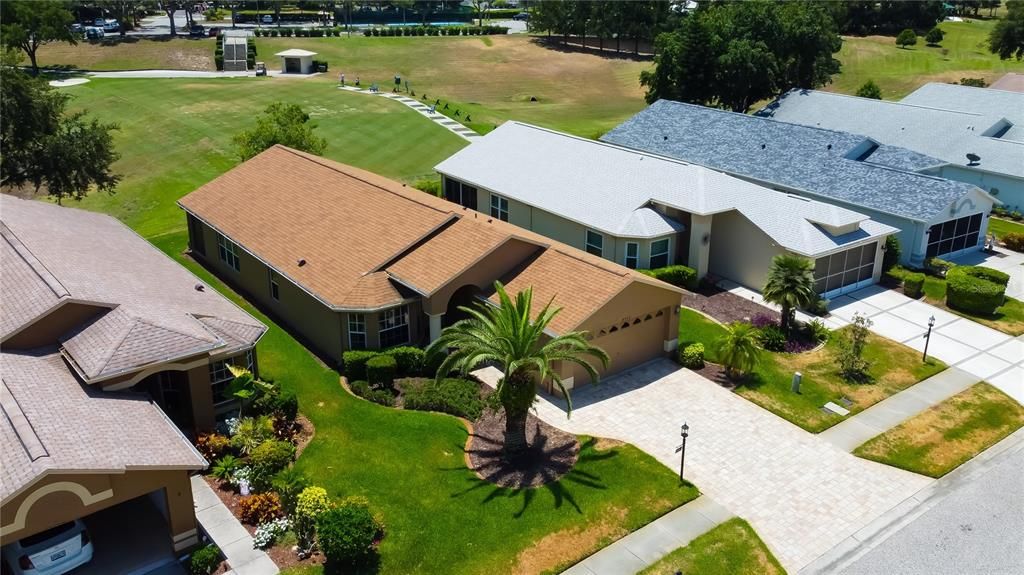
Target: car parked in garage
<point x="52" y="552"/>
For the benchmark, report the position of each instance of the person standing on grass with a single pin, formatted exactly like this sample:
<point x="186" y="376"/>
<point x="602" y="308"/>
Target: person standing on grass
<point x="341" y="79"/>
<point x="357" y="80"/>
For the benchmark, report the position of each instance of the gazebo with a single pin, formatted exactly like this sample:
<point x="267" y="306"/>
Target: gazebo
<point x="296" y="61"/>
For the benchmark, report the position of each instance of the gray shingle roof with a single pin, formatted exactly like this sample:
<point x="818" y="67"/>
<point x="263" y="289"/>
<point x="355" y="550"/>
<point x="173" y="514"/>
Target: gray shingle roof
<point x="610" y="188"/>
<point x="51" y="423"/>
<point x="799" y="157"/>
<point x="60" y="254"/>
<point x="944" y="121"/>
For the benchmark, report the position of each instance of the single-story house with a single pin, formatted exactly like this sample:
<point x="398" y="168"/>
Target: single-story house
<point x="107" y="344"/>
<point x="296" y="61"/>
<point x="352" y="260"/>
<point x="647" y="211"/>
<point x="976" y="134"/>
<point x="935" y="216"/>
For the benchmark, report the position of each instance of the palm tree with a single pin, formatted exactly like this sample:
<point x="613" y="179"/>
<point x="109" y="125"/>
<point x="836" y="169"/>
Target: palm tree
<point x="508" y="337"/>
<point x="738" y="349"/>
<point x="790" y="285"/>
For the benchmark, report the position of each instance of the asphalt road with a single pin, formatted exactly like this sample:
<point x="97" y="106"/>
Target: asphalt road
<point x="978" y="529"/>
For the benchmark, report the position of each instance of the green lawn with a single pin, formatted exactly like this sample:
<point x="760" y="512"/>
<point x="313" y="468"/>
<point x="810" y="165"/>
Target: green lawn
<point x="945" y="436"/>
<point x="732" y="548"/>
<point x="176" y="135"/>
<point x="440" y="517"/>
<point x="1009" y="318"/>
<point x="900" y="71"/>
<point x="1001" y="227"/>
<point x="894" y="368"/>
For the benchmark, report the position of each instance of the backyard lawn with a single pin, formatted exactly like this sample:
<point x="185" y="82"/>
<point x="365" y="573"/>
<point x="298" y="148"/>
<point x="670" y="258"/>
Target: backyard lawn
<point x="900" y="71"/>
<point x="176" y="135"/>
<point x="940" y="439"/>
<point x="1001" y="227"/>
<point x="732" y="548"/>
<point x="1009" y="318"/>
<point x="440" y="518"/>
<point x="894" y="367"/>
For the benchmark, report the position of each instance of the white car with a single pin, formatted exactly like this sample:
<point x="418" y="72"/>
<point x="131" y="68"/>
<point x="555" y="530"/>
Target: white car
<point x="268" y="19"/>
<point x="52" y="552"/>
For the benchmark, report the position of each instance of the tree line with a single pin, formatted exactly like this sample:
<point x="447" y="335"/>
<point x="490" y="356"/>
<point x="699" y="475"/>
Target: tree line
<point x="633" y="21"/>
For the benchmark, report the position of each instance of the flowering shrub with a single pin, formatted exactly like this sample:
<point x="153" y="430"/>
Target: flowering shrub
<point x="267" y="533"/>
<point x="239" y="475"/>
<point x="312" y="502"/>
<point x="799" y="346"/>
<point x="213" y="446"/>
<point x="228" y="427"/>
<point x="763" y="320"/>
<point x="260" y="508"/>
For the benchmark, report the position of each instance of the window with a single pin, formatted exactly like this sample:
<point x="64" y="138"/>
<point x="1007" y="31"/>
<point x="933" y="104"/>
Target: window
<point x="632" y="255"/>
<point x="275" y="289"/>
<point x="659" y="254"/>
<point x="228" y="252"/>
<point x="220" y="375"/>
<point x="499" y="207"/>
<point x="595" y="243"/>
<point x="195" y="235"/>
<point x="845" y="271"/>
<point x="953" y="236"/>
<point x="459" y="193"/>
<point x="394" y="326"/>
<point x="356" y="331"/>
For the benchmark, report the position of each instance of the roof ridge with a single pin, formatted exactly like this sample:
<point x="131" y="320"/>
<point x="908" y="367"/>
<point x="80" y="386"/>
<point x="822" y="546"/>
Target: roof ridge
<point x="33" y="262"/>
<point x="874" y="101"/>
<point x="29" y="438"/>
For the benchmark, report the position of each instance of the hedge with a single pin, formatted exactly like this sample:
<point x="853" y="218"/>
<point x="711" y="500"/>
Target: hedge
<point x="680" y="276"/>
<point x="692" y="356"/>
<point x="913" y="285"/>
<point x="346" y="533"/>
<point x="379" y="396"/>
<point x="380" y="370"/>
<point x="459" y="397"/>
<point x="355" y="362"/>
<point x="975" y="289"/>
<point x="1014" y="241"/>
<point x="409" y="359"/>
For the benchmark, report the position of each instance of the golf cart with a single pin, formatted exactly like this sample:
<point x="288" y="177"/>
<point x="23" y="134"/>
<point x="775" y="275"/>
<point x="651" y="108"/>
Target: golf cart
<point x="261" y="69"/>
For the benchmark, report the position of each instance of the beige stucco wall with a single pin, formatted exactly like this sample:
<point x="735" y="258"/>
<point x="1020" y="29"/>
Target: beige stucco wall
<point x="740" y="251"/>
<point x="482" y="274"/>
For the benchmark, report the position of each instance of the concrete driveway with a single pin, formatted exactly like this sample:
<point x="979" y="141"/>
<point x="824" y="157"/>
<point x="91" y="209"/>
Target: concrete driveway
<point x="802" y="494"/>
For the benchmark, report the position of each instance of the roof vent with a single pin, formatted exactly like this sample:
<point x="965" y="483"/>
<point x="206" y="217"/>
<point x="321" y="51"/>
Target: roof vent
<point x="200" y="287"/>
<point x="973" y="159"/>
<point x="828" y="147"/>
<point x="301" y="262"/>
<point x="763" y="146"/>
<point x="664" y="138"/>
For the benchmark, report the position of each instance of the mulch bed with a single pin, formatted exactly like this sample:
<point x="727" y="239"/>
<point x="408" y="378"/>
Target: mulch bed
<point x="726" y="307"/>
<point x="716" y="373"/>
<point x="554" y="452"/>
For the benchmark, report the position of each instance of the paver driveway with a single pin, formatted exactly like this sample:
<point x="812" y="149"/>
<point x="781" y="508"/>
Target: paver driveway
<point x="802" y="494"/>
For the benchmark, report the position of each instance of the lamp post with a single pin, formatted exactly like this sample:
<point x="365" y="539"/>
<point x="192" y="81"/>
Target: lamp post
<point x="927" y="339"/>
<point x="682" y="449"/>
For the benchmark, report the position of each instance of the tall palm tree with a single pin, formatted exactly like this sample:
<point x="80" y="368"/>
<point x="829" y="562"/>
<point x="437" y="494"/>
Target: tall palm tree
<point x="737" y="349"/>
<point x="508" y="337"/>
<point x="790" y="285"/>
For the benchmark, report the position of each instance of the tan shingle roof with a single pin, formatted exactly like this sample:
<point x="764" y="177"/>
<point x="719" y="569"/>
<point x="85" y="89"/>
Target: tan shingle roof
<point x="56" y="254"/>
<point x="51" y="423"/>
<point x="356" y="229"/>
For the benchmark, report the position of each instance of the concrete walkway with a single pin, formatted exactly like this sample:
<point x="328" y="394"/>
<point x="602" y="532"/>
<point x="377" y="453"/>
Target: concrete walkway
<point x="894" y="410"/>
<point x="424" y="109"/>
<point x="223" y="528"/>
<point x="653" y="541"/>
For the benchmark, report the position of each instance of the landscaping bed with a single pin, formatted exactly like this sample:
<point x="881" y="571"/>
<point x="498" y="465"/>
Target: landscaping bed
<point x="940" y="439"/>
<point x="555" y="453"/>
<point x="732" y="548"/>
<point x="725" y="306"/>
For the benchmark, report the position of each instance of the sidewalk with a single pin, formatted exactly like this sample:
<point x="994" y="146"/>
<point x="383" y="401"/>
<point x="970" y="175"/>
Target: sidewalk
<point x="224" y="529"/>
<point x="436" y="117"/>
<point x="655" y="540"/>
<point x="892" y="411"/>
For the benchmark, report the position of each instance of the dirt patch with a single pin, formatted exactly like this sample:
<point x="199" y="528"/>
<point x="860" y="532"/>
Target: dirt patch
<point x="304" y="435"/>
<point x="726" y="307"/>
<point x="553" y="453"/>
<point x="558" y="548"/>
<point x="605" y="443"/>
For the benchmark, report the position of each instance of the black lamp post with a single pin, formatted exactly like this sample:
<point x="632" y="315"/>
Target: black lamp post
<point x="682" y="449"/>
<point x="928" y="338"/>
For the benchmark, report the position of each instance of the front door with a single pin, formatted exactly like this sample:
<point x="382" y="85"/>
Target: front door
<point x="292" y="65"/>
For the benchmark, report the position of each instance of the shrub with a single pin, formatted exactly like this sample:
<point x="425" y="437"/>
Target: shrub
<point x="311" y="503"/>
<point x="288" y="484"/>
<point x="913" y="284"/>
<point x="906" y="38"/>
<point x="891" y="255"/>
<point x="432" y="187"/>
<point x="225" y="467"/>
<point x="380" y="370"/>
<point x="1014" y="241"/>
<point x="459" y="397"/>
<point x="355" y="362"/>
<point x="763" y="320"/>
<point x="975" y="289"/>
<point x="252" y="432"/>
<point x="346" y="534"/>
<point x="267" y="533"/>
<point x="204" y="561"/>
<point x="692" y="356"/>
<point x="272" y="456"/>
<point x="818" y="307"/>
<point x="772" y="338"/>
<point x="409" y="360"/>
<point x="869" y="89"/>
<point x="852" y="365"/>
<point x="260" y="508"/>
<point x="938" y="266"/>
<point x="680" y="276"/>
<point x="934" y="36"/>
<point x="379" y="396"/>
<point x="213" y="445"/>
<point x="818" y="331"/>
<point x="281" y="404"/>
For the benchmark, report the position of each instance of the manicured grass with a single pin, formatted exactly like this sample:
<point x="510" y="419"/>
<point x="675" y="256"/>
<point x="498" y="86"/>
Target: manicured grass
<point x="440" y="517"/>
<point x="732" y="548"/>
<point x="176" y="135"/>
<point x="132" y="53"/>
<point x="1009" y="318"/>
<point x="1001" y="227"/>
<point x="945" y="436"/>
<point x="900" y="71"/>
<point x="894" y="367"/>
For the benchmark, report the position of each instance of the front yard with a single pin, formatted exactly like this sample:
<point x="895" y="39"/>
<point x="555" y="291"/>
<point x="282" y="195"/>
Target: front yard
<point x="439" y="516"/>
<point x="732" y="548"/>
<point x="1009" y="318"/>
<point x="945" y="436"/>
<point x="894" y="367"/>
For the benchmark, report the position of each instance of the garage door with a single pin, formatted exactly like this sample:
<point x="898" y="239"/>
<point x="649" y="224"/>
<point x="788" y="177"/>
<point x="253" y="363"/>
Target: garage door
<point x="629" y="344"/>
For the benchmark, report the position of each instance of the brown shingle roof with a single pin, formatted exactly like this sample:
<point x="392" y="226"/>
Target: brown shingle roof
<point x="52" y="254"/>
<point x="364" y="236"/>
<point x="51" y="423"/>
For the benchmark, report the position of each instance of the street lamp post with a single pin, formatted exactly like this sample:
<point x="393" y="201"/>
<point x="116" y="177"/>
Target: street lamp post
<point x="928" y="339"/>
<point x="682" y="449"/>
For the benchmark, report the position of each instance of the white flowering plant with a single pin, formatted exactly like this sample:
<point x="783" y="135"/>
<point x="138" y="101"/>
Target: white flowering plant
<point x="241" y="474"/>
<point x="267" y="533"/>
